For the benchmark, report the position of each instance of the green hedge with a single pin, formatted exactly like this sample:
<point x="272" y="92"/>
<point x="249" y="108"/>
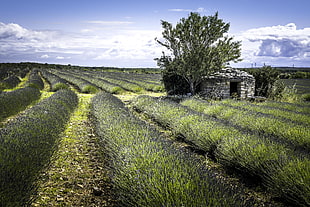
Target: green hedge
<point x="27" y="143"/>
<point x="148" y="171"/>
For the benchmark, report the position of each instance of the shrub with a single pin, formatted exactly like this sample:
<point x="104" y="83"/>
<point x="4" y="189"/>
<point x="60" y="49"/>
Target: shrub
<point x="175" y="84"/>
<point x="265" y="78"/>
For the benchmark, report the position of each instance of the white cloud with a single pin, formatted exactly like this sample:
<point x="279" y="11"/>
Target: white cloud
<point x="45" y="56"/>
<point x="16" y="32"/>
<point x="277" y="45"/>
<point x="134" y="45"/>
<point x="95" y="46"/>
<point x="123" y="46"/>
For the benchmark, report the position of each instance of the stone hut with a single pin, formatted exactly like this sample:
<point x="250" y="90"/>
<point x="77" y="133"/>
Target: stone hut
<point x="228" y="83"/>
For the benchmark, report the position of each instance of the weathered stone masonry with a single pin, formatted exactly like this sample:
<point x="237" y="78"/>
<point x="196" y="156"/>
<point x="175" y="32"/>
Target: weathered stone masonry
<point x="228" y="83"/>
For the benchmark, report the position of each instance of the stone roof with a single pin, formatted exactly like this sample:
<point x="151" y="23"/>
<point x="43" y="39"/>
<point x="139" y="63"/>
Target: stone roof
<point x="230" y="73"/>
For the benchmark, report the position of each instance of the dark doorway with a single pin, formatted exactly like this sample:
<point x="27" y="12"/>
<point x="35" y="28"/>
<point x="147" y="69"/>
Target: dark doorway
<point x="234" y="89"/>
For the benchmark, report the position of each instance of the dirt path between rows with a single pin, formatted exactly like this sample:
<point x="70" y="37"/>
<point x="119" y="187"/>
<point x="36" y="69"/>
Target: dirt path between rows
<point x="76" y="175"/>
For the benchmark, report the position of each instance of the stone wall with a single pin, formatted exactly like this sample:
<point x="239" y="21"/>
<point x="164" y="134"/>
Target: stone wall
<point x="228" y="82"/>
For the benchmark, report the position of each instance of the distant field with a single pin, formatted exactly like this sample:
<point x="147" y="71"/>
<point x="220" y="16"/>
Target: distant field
<point x="302" y="85"/>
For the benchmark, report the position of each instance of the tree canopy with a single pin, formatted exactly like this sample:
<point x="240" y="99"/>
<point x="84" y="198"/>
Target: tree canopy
<point x="198" y="47"/>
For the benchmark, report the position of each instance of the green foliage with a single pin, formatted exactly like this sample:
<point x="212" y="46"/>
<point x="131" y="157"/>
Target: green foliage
<point x="306" y="97"/>
<point x="175" y="84"/>
<point x="27" y="143"/>
<point x="265" y="78"/>
<point x="198" y="47"/>
<point x="147" y="171"/>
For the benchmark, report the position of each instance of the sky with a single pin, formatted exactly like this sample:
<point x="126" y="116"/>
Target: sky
<point x="120" y="33"/>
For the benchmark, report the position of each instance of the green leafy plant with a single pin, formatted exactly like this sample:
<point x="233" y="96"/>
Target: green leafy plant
<point x="198" y="47"/>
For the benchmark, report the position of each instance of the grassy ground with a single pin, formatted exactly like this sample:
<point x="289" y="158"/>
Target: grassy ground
<point x="76" y="176"/>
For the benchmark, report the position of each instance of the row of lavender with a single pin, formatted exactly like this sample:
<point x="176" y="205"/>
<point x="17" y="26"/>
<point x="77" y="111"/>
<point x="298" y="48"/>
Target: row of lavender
<point x="115" y="83"/>
<point x="226" y="136"/>
<point x="17" y="100"/>
<point x="26" y="144"/>
<point x="146" y="170"/>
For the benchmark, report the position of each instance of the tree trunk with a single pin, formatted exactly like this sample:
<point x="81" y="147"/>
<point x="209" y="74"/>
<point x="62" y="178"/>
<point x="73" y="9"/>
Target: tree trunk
<point x="192" y="88"/>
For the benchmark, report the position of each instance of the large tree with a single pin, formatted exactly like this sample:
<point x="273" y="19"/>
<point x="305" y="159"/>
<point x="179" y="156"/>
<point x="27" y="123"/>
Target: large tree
<point x="197" y="47"/>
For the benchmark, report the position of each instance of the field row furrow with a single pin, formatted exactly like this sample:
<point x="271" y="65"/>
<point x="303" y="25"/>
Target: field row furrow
<point x="302" y="118"/>
<point x="83" y="85"/>
<point x="56" y="83"/>
<point x="9" y="82"/>
<point x="289" y="132"/>
<point x="35" y="80"/>
<point x="104" y="84"/>
<point x="129" y="81"/>
<point x="154" y="85"/>
<point x="299" y="107"/>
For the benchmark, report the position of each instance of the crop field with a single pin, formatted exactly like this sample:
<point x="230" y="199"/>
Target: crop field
<point x="302" y="86"/>
<point x="84" y="137"/>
